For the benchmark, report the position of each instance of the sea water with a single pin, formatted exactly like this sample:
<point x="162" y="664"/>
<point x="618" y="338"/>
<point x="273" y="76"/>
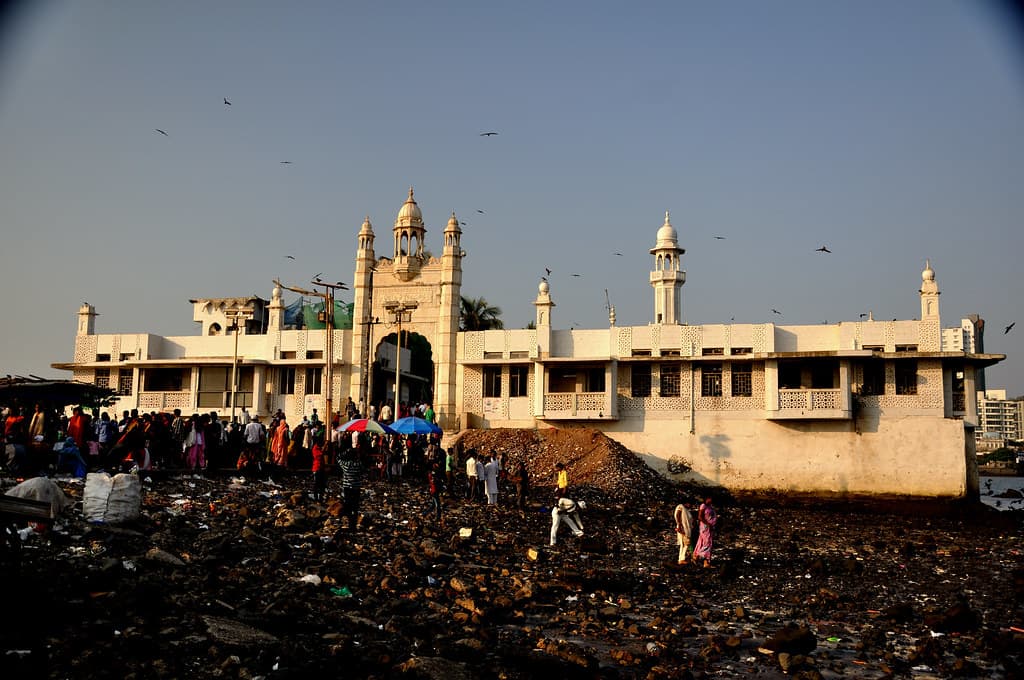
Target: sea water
<point x="991" y="487"/>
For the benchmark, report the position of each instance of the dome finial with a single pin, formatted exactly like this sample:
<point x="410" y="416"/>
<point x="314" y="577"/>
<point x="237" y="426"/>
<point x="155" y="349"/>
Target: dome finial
<point x="667" y="218"/>
<point x="410" y="192"/>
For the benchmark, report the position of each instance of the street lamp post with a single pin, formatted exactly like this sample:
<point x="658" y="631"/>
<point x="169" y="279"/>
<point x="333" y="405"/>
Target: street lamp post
<point x="402" y="311"/>
<point x="328" y="297"/>
<point x="236" y="313"/>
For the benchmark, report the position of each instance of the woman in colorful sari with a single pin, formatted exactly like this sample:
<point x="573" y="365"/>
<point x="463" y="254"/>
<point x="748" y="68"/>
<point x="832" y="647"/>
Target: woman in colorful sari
<point x="279" y="444"/>
<point x="194" y="446"/>
<point x="706" y="519"/>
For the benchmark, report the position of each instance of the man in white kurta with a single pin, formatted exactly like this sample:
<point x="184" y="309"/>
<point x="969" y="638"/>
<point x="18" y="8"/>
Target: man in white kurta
<point x="491" y="480"/>
<point x="567" y="511"/>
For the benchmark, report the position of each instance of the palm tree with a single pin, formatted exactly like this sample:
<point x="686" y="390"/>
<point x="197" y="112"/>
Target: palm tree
<point x="478" y="315"/>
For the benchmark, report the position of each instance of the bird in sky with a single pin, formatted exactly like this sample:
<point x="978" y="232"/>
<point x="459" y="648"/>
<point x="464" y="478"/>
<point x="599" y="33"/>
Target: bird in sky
<point x="775" y="311"/>
<point x="285" y="162"/>
<point x="226" y="102"/>
<point x="547" y="271"/>
<point x="862" y="314"/>
<point x="576" y="275"/>
<point x="316" y="276"/>
<point x="822" y="249"/>
<point x="162" y="132"/>
<point x="543" y="278"/>
<point x="1009" y="328"/>
<point x="462" y="223"/>
<point x="488" y="134"/>
<point x="480" y="211"/>
<point x="290" y="257"/>
<point x="619" y="254"/>
<point x="720" y="238"/>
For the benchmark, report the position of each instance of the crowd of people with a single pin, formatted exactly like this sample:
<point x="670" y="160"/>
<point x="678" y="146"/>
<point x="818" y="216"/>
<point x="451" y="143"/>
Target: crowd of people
<point x="47" y="441"/>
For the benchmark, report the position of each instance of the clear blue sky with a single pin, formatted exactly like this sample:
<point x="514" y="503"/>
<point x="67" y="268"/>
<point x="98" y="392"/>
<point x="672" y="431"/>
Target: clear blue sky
<point x="889" y="132"/>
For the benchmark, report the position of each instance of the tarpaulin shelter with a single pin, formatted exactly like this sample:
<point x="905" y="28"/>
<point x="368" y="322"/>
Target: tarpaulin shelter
<point x="54" y="393"/>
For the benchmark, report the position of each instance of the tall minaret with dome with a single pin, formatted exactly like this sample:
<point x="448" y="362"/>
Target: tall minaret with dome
<point x="667" y="278"/>
<point x="929" y="293"/>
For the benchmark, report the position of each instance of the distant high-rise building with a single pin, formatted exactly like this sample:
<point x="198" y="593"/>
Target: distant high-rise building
<point x="1000" y="420"/>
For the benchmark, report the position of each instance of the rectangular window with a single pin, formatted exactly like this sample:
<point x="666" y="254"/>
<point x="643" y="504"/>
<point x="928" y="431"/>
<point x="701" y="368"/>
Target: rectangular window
<point x="593" y="380"/>
<point x="906" y="377"/>
<point x="670" y="353"/>
<point x="906" y="348"/>
<point x="287" y="382"/>
<point x="127" y="356"/>
<point x="874" y="378"/>
<point x="314" y="376"/>
<point x="492" y="381"/>
<point x="214" y="383"/>
<point x="874" y="348"/>
<point x="823" y="375"/>
<point x="493" y="355"/>
<point x="640" y="380"/>
<point x="712" y="351"/>
<point x="742" y="380"/>
<point x="164" y="379"/>
<point x="288" y="354"/>
<point x="519" y="354"/>
<point x="124" y="383"/>
<point x="102" y="377"/>
<point x="741" y="350"/>
<point x="789" y="375"/>
<point x="102" y="357"/>
<point x="518" y="377"/>
<point x="711" y="380"/>
<point x="670" y="380"/>
<point x="641" y="352"/>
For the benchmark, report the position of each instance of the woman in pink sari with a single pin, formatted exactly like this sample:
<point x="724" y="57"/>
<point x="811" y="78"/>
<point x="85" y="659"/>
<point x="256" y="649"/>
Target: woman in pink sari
<point x="195" y="446"/>
<point x="279" y="444"/>
<point x="706" y="518"/>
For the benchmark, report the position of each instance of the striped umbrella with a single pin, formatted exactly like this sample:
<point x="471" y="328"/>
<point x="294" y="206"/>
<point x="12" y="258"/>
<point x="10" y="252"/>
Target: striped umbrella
<point x="366" y="425"/>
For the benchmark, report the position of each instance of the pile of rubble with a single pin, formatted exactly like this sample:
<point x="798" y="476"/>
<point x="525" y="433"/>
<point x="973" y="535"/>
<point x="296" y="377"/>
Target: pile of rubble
<point x="247" y="578"/>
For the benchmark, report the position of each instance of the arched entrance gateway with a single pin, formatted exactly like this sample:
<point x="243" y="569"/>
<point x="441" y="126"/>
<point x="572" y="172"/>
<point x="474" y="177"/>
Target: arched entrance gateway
<point x="417" y="293"/>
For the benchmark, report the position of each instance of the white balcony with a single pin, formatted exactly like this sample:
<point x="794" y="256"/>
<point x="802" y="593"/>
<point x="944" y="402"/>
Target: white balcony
<point x="814" y="404"/>
<point x="577" y="406"/>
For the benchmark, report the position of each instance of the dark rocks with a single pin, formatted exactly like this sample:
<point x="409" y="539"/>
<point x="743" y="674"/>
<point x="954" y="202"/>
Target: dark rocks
<point x="792" y="639"/>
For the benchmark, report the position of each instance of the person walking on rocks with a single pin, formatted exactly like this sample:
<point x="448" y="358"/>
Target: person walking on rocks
<point x="561" y="481"/>
<point x="491" y="470"/>
<point x="319" y="470"/>
<point x="352" y="472"/>
<point x="435" y="485"/>
<point x="706" y="518"/>
<point x="683" y="516"/>
<point x="471" y="474"/>
<point x="567" y="511"/>
<point x="521" y="478"/>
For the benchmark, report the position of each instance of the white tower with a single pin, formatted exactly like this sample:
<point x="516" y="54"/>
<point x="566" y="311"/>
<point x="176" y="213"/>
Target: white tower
<point x="409" y="233"/>
<point x="667" y="278"/>
<point x="929" y="293"/>
<point x="87" y="319"/>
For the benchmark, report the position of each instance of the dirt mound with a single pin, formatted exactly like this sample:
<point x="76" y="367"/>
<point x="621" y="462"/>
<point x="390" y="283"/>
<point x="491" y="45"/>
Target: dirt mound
<point x="596" y="464"/>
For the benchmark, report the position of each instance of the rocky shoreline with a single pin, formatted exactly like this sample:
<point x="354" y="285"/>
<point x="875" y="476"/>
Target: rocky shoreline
<point x="231" y="578"/>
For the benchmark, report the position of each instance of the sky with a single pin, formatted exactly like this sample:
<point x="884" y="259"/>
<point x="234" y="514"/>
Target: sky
<point x="888" y="132"/>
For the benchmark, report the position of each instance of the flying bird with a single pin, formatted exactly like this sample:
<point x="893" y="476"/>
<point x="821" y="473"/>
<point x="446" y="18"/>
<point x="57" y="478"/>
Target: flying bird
<point x="576" y="275"/>
<point x="162" y="132"/>
<point x="480" y="211"/>
<point x="775" y="311"/>
<point x="619" y="254"/>
<point x="488" y="134"/>
<point x="1009" y="328"/>
<point x="285" y="162"/>
<point x="720" y="238"/>
<point x="226" y="102"/>
<point x="462" y="223"/>
<point x="862" y="314"/>
<point x="822" y="249"/>
<point x="547" y="271"/>
<point x="290" y="257"/>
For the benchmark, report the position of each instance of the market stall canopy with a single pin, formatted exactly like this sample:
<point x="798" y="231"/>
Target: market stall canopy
<point x="58" y="393"/>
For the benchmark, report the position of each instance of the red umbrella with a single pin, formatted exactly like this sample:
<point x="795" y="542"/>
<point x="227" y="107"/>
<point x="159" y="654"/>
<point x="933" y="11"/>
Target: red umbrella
<point x="366" y="425"/>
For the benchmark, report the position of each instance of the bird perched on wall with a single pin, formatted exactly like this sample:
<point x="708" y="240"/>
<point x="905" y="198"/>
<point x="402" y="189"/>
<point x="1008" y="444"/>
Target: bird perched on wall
<point x="1009" y="328"/>
<point x="822" y="249"/>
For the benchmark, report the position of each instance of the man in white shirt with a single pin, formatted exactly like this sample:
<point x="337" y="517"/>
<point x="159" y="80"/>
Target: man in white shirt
<point x="567" y="511"/>
<point x="471" y="474"/>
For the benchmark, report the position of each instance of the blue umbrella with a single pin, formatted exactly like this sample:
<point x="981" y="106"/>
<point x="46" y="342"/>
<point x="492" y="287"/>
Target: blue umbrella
<point x="413" y="425"/>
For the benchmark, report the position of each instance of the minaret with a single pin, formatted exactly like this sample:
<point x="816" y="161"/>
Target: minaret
<point x="409" y="233"/>
<point x="276" y="321"/>
<point x="543" y="303"/>
<point x="445" y="389"/>
<point x="362" y="310"/>
<point x="929" y="293"/>
<point x="87" y="319"/>
<point x="667" y="278"/>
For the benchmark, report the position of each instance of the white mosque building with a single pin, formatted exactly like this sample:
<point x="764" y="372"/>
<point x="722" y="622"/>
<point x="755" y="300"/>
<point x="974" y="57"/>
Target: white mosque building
<point x="856" y="408"/>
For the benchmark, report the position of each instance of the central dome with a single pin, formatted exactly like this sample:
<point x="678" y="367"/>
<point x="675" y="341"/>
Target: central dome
<point x="409" y="215"/>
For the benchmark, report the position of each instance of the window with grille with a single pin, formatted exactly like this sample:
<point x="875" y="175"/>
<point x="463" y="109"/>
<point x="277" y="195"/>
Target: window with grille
<point x="906" y="377"/>
<point x="670" y="380"/>
<point x="711" y="380"/>
<point x="314" y="376"/>
<point x="102" y="377"/>
<point x="287" y="382"/>
<point x="640" y="380"/>
<point x="492" y="381"/>
<point x="124" y="383"/>
<point x="874" y="378"/>
<point x="742" y="380"/>
<point x="518" y="377"/>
